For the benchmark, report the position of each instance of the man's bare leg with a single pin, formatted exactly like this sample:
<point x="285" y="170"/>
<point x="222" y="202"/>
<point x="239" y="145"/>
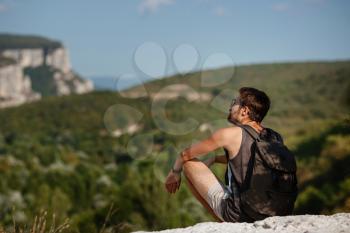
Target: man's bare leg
<point x="201" y="200"/>
<point x="199" y="179"/>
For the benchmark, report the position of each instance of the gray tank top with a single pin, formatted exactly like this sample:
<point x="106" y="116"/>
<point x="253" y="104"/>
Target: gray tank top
<point x="237" y="167"/>
<point x="235" y="176"/>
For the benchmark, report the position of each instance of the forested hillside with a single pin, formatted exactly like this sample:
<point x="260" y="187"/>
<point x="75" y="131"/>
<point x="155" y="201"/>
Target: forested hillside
<point x="78" y="155"/>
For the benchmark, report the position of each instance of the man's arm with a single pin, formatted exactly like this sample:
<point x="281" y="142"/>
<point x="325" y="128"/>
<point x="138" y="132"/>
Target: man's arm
<point x="220" y="159"/>
<point x="219" y="138"/>
<point x="215" y="159"/>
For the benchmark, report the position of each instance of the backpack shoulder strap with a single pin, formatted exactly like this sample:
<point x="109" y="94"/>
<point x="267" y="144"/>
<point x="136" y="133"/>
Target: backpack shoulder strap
<point x="250" y="131"/>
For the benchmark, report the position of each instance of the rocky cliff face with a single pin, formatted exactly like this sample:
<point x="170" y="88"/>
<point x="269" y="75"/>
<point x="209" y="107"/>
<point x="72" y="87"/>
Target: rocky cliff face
<point x="18" y="85"/>
<point x="337" y="223"/>
<point x="15" y="88"/>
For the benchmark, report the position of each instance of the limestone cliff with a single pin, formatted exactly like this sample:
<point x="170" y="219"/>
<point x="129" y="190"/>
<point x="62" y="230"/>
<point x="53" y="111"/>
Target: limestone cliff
<point x="15" y="88"/>
<point x="31" y="67"/>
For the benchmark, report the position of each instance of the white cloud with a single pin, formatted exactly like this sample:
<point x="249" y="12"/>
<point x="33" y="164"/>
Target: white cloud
<point x="153" y="5"/>
<point x="220" y="11"/>
<point x="280" y="7"/>
<point x="3" y="8"/>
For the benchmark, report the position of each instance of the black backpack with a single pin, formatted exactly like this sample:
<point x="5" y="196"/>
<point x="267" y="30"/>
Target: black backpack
<point x="270" y="185"/>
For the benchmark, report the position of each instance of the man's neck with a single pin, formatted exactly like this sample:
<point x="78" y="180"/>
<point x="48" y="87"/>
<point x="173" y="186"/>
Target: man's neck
<point x="256" y="125"/>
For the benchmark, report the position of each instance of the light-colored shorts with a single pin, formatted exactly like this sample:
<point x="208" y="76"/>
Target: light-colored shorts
<point x="215" y="195"/>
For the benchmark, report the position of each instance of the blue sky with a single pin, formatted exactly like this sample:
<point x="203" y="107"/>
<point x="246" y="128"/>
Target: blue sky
<point x="110" y="37"/>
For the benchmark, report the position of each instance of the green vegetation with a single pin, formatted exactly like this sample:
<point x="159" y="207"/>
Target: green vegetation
<point x="304" y="95"/>
<point x="5" y="61"/>
<point x="58" y="154"/>
<point x="10" y="41"/>
<point x="42" y="79"/>
<point x="324" y="174"/>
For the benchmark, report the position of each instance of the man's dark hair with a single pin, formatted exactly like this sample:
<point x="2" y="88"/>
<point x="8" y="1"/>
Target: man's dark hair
<point x="257" y="102"/>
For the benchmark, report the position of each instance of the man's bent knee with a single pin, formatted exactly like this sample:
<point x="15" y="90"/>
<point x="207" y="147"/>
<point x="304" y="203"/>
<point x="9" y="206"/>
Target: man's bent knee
<point x="192" y="168"/>
<point x="187" y="164"/>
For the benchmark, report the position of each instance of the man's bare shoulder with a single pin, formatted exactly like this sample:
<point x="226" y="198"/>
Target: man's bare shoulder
<point x="227" y="136"/>
<point x="229" y="132"/>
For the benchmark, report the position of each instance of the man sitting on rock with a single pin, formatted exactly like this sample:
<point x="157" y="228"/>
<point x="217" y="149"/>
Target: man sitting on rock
<point x="224" y="202"/>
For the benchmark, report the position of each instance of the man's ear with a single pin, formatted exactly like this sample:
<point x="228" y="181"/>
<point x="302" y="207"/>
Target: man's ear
<point x="245" y="111"/>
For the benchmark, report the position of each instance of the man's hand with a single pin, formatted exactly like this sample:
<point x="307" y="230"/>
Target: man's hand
<point x="173" y="181"/>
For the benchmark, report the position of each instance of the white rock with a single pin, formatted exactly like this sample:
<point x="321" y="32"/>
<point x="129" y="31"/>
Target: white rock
<point x="66" y="83"/>
<point x="26" y="57"/>
<point x="83" y="86"/>
<point x="15" y="88"/>
<point x="337" y="223"/>
<point x="175" y="91"/>
<point x="59" y="59"/>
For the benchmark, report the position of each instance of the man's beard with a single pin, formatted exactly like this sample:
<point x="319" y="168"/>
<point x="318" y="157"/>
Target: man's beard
<point x="232" y="119"/>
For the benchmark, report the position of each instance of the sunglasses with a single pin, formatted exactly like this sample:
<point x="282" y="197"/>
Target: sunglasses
<point x="236" y="101"/>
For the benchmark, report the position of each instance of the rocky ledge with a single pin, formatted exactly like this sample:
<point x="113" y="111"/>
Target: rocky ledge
<point x="337" y="223"/>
